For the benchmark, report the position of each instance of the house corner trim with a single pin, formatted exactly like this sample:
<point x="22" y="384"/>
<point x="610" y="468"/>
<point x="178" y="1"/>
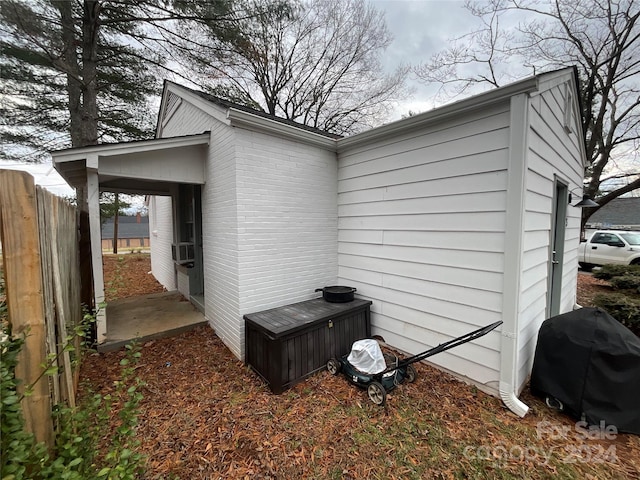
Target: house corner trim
<point x="514" y="238"/>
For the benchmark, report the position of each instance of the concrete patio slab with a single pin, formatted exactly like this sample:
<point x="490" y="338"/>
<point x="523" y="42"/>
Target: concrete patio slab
<point x="148" y="317"/>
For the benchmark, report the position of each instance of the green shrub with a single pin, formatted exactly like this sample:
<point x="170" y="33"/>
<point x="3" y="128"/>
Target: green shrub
<point x="79" y="430"/>
<point x="607" y="272"/>
<point x="622" y="307"/>
<point x="625" y="282"/>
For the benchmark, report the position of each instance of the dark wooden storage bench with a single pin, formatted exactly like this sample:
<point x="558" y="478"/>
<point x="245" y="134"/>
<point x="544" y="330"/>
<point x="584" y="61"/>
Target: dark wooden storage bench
<point x="286" y="344"/>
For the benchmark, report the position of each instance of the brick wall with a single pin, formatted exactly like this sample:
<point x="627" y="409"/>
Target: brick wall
<point x="287" y="219"/>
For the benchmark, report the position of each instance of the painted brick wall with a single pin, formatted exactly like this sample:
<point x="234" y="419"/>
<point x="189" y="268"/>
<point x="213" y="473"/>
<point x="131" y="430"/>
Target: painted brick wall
<point x="220" y="245"/>
<point x="161" y="235"/>
<point x="287" y="220"/>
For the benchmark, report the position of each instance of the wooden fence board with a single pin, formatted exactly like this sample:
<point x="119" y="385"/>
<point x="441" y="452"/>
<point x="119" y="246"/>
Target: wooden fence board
<point x="23" y="283"/>
<point x="47" y="288"/>
<point x="42" y="277"/>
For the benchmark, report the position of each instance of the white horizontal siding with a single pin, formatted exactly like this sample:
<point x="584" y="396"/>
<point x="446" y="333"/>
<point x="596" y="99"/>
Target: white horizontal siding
<point x="421" y="234"/>
<point x="186" y="120"/>
<point x="161" y="229"/>
<point x="552" y="151"/>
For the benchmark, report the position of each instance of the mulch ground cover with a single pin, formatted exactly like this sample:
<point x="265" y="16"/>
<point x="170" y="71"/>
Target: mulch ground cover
<point x="128" y="275"/>
<point x="589" y="287"/>
<point x="205" y="415"/>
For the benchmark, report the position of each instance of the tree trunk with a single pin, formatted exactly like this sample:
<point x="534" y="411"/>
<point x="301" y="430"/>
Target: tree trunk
<point x="72" y="69"/>
<point x="90" y="32"/>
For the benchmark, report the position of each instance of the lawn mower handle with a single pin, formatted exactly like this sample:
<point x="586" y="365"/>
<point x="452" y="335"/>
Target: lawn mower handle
<point x="444" y="346"/>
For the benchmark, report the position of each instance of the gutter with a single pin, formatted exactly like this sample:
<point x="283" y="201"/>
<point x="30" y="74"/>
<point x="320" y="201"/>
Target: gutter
<point x="248" y="120"/>
<point x="439" y="114"/>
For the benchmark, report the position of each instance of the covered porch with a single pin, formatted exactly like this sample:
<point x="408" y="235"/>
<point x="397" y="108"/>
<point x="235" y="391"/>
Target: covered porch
<point x="168" y="167"/>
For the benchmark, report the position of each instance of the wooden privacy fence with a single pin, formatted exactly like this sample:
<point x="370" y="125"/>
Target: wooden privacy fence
<point x="42" y="281"/>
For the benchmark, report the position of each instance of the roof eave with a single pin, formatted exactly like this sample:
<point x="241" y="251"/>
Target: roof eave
<point x="438" y="114"/>
<point x="248" y="120"/>
<point x="81" y="153"/>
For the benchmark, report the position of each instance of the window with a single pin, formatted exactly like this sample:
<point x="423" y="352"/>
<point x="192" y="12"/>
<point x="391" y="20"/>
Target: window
<point x="631" y="238"/>
<point x="605" y="238"/>
<point x="186" y="214"/>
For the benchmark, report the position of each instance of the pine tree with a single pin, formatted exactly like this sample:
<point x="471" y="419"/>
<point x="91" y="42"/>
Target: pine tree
<point x="78" y="73"/>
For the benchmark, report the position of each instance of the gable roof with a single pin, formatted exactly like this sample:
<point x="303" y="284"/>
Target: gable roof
<point x="229" y="105"/>
<point x="619" y="212"/>
<point x="240" y="115"/>
<point x="535" y="83"/>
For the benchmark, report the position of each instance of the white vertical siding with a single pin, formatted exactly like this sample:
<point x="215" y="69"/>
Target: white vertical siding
<point x="161" y="229"/>
<point x="421" y="234"/>
<point x="552" y="151"/>
<point x="287" y="221"/>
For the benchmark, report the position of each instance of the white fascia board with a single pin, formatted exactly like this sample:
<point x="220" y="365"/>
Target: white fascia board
<point x="239" y="118"/>
<point x="553" y="79"/>
<point x="81" y="153"/>
<point x="439" y="114"/>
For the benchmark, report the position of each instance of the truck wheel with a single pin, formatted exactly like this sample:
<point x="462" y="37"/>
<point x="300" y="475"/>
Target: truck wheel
<point x="587" y="267"/>
<point x="635" y="261"/>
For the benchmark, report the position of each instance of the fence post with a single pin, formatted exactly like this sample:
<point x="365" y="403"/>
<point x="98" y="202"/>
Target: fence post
<point x="24" y="291"/>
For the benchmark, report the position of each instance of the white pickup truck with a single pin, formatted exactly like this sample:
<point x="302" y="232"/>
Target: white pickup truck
<point x="610" y="246"/>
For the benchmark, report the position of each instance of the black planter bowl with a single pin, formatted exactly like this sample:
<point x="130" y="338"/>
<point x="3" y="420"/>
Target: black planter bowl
<point x="337" y="293"/>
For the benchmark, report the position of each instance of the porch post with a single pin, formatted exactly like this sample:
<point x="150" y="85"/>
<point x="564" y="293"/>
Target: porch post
<point x="93" y="200"/>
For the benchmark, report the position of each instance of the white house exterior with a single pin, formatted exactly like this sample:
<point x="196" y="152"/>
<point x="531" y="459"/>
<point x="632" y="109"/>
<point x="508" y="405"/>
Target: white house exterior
<point x="446" y="221"/>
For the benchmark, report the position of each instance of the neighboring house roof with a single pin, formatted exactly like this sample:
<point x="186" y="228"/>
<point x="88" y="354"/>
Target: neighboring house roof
<point x="128" y="227"/>
<point x="621" y="212"/>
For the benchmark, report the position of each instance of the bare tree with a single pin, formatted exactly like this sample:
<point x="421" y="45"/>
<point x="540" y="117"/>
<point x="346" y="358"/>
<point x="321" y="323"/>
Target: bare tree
<point x="316" y="62"/>
<point x="600" y="37"/>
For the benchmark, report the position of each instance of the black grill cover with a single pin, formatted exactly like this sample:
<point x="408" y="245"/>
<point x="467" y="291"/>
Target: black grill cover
<point x="591" y="363"/>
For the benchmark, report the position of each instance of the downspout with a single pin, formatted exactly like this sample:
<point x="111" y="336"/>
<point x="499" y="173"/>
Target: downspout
<point x="514" y="239"/>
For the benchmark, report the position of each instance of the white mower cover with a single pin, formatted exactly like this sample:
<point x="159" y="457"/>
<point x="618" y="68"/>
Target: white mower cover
<point x="367" y="357"/>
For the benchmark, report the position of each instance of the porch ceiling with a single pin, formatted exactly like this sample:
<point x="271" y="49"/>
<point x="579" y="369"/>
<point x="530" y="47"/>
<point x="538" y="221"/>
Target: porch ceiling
<point x="148" y="166"/>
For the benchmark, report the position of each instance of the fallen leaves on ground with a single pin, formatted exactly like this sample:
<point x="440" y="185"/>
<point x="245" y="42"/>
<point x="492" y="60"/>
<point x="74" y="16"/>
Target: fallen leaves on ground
<point x="128" y="275"/>
<point x="589" y="287"/>
<point x="205" y="415"/>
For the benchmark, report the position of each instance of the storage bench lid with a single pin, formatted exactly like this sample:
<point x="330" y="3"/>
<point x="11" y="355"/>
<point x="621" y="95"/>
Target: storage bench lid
<point x="288" y="319"/>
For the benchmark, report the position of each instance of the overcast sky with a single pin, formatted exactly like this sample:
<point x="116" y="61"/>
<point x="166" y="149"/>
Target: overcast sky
<point x="420" y="28"/>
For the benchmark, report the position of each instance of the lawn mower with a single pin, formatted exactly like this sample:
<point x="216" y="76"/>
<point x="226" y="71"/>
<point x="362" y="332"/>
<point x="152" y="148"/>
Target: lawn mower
<point x="367" y="367"/>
